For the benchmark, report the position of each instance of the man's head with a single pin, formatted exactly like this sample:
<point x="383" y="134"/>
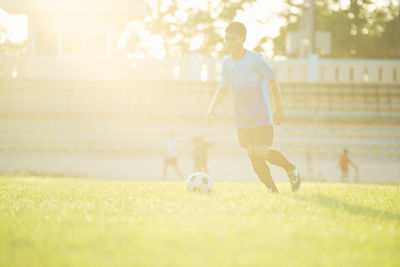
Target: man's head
<point x="235" y="35"/>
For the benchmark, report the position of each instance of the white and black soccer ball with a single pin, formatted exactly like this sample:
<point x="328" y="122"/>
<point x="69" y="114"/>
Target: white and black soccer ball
<point x="199" y="182"/>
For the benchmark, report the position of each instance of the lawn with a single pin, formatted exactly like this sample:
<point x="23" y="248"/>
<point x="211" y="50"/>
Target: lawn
<point x="46" y="221"/>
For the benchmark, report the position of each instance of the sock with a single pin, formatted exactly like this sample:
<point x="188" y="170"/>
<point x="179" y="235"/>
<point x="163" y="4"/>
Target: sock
<point x="277" y="158"/>
<point x="263" y="172"/>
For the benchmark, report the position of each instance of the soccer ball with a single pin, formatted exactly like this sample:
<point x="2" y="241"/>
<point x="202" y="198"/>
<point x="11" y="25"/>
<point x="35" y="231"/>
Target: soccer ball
<point x="199" y="182"/>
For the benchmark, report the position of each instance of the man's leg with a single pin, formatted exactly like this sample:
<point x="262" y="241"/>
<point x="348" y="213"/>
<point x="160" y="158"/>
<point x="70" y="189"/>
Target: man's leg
<point x="261" y="169"/>
<point x="177" y="170"/>
<point x="179" y="173"/>
<point x="277" y="158"/>
<point x="274" y="157"/>
<point x="345" y="176"/>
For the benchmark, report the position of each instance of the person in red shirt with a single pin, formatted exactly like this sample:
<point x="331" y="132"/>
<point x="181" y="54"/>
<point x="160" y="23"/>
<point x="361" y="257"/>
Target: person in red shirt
<point x="344" y="163"/>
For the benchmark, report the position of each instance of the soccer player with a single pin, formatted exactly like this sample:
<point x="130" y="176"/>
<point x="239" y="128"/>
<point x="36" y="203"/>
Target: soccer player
<point x="250" y="78"/>
<point x="344" y="163"/>
<point x="171" y="155"/>
<point x="200" y="155"/>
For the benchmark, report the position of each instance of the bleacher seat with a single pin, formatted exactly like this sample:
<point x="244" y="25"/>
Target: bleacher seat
<point x="124" y="119"/>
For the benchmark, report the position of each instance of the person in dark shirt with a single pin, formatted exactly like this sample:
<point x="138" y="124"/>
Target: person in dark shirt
<point x="200" y="154"/>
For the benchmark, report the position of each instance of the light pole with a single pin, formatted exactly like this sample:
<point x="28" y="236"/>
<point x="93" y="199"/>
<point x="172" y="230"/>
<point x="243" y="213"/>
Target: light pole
<point x="307" y="25"/>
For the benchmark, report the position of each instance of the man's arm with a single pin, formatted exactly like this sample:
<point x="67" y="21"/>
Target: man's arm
<point x="217" y="99"/>
<point x="276" y="92"/>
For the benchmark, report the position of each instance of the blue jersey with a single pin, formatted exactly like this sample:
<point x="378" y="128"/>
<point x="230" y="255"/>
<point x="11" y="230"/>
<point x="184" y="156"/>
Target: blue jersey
<point x="248" y="78"/>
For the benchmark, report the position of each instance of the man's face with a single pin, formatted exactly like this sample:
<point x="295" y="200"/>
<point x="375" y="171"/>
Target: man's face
<point x="234" y="42"/>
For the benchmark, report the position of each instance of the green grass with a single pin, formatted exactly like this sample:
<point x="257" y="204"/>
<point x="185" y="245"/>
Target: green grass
<point x="86" y="222"/>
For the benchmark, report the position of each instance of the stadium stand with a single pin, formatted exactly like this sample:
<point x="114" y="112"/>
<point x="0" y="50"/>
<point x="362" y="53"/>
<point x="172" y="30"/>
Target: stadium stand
<point x="134" y="118"/>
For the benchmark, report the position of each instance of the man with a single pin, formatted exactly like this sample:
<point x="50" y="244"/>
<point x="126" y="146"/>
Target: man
<point x="171" y="155"/>
<point x="344" y="163"/>
<point x="200" y="155"/>
<point x="247" y="74"/>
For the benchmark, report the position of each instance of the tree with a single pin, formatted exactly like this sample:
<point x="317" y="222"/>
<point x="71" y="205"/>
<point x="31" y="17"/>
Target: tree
<point x="8" y="47"/>
<point x="180" y="26"/>
<point x="359" y="30"/>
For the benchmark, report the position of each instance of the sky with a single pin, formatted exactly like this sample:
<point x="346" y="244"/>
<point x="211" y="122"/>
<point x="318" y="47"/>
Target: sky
<point x="17" y="25"/>
<point x="260" y="19"/>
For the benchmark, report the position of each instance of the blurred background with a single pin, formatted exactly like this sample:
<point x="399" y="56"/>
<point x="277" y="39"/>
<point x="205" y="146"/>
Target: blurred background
<point x="92" y="88"/>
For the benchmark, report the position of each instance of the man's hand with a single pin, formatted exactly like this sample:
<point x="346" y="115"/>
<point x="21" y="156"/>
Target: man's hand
<point x="278" y="116"/>
<point x="211" y="116"/>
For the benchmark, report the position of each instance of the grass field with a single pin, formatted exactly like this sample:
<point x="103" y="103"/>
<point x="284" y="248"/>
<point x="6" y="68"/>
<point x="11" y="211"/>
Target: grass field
<point x="85" y="222"/>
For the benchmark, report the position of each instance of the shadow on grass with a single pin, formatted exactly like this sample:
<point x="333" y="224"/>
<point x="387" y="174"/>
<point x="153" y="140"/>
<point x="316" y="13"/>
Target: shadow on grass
<point x="354" y="209"/>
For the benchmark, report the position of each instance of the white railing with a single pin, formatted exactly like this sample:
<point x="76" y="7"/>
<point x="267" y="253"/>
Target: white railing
<point x="84" y="68"/>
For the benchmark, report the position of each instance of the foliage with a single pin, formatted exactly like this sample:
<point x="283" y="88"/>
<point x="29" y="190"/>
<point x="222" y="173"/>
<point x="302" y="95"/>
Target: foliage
<point x="178" y="24"/>
<point x="11" y="48"/>
<point x="359" y="30"/>
<point x="8" y="47"/>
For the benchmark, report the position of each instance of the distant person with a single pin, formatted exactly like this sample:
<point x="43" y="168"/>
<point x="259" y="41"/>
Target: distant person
<point x="171" y="155"/>
<point x="250" y="78"/>
<point x="309" y="160"/>
<point x="344" y="162"/>
<point x="200" y="154"/>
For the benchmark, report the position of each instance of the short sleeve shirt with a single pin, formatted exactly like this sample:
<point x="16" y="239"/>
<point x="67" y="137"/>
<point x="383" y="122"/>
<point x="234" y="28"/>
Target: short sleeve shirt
<point x="248" y="78"/>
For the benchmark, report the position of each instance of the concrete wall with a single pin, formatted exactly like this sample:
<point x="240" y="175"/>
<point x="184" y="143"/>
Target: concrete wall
<point x="113" y="67"/>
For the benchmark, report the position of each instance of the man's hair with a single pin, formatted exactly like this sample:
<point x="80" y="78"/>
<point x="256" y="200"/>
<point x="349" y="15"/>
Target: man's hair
<point x="237" y="27"/>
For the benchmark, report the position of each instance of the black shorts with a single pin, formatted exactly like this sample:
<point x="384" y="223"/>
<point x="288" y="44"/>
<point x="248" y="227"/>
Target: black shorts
<point x="170" y="161"/>
<point x="260" y="135"/>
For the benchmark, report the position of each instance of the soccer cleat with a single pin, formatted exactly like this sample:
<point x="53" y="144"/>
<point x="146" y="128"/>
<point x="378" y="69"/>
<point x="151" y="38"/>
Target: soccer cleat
<point x="294" y="178"/>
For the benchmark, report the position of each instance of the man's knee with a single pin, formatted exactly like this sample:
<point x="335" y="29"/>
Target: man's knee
<point x="261" y="151"/>
<point x="250" y="151"/>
